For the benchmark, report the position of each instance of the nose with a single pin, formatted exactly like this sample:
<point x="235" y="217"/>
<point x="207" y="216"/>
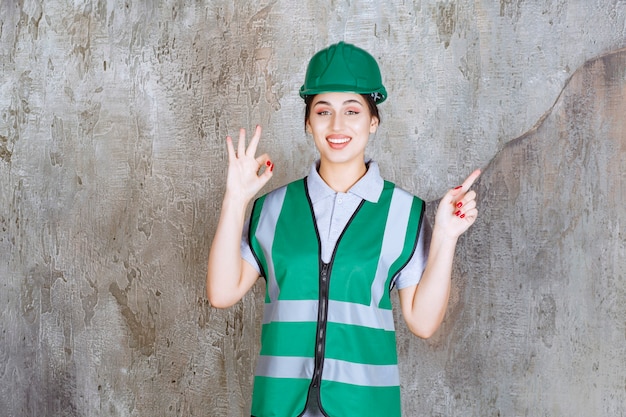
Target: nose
<point x="337" y="122"/>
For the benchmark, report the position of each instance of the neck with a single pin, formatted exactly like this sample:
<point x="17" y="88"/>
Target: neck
<point x="341" y="177"/>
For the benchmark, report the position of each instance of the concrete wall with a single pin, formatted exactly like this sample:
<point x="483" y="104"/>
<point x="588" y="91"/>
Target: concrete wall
<point x="112" y="165"/>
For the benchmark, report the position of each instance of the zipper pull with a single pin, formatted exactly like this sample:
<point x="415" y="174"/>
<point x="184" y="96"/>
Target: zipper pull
<point x="324" y="272"/>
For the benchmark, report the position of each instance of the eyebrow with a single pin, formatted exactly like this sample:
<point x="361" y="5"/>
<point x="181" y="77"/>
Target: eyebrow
<point x="350" y="101"/>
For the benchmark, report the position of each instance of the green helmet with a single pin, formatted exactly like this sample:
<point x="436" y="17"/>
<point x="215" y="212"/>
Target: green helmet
<point x="343" y="67"/>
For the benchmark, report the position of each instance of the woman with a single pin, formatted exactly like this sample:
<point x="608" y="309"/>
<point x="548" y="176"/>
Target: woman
<point x="331" y="247"/>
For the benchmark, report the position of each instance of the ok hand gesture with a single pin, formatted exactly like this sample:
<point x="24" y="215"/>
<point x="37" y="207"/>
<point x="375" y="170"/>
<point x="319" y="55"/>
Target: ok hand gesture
<point x="244" y="179"/>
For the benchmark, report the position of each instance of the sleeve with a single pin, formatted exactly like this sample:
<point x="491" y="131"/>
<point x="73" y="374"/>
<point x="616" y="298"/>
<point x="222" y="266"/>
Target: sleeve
<point x="246" y="251"/>
<point x="412" y="272"/>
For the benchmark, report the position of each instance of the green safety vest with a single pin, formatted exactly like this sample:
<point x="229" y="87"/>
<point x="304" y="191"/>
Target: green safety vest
<point x="328" y="331"/>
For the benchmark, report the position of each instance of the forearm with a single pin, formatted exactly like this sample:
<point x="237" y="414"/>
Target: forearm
<point x="430" y="298"/>
<point x="225" y="285"/>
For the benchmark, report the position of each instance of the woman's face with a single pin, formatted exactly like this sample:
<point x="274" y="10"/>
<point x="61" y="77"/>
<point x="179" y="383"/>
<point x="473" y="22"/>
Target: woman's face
<point x="340" y="124"/>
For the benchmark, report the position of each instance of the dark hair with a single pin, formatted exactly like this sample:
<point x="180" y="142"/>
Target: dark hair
<point x="371" y="104"/>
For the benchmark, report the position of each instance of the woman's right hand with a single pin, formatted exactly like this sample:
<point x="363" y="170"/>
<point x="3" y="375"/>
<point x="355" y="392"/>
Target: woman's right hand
<point x="229" y="277"/>
<point x="245" y="179"/>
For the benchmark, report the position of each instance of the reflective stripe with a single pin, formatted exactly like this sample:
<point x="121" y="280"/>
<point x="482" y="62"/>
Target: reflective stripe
<point x="360" y="315"/>
<point x="334" y="370"/>
<point x="290" y="311"/>
<point x="285" y="367"/>
<point x="360" y="374"/>
<point x="338" y="312"/>
<point x="393" y="239"/>
<point x="265" y="235"/>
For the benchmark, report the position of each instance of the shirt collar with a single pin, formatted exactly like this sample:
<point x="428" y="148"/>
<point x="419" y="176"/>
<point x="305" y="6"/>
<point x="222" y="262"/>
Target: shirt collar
<point x="369" y="187"/>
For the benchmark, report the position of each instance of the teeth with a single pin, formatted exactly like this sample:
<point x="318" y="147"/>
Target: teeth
<point x="338" y="141"/>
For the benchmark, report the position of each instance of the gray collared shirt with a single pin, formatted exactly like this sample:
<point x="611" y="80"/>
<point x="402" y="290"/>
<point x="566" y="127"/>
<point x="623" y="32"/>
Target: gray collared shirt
<point x="333" y="211"/>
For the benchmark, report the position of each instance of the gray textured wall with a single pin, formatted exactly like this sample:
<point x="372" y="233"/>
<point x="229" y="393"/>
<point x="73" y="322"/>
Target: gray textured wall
<point x="112" y="164"/>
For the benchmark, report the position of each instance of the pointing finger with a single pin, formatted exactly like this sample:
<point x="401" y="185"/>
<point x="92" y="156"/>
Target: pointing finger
<point x="469" y="181"/>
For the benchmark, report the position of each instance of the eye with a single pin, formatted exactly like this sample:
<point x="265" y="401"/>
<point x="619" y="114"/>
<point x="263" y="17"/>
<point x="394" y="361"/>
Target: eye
<point x="322" y="112"/>
<point x="352" y="112"/>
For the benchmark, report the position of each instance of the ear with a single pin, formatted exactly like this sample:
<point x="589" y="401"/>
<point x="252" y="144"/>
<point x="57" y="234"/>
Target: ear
<point x="308" y="128"/>
<point x="373" y="124"/>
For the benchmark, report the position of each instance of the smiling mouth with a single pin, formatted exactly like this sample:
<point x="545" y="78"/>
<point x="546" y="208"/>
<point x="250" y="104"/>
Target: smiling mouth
<point x="338" y="141"/>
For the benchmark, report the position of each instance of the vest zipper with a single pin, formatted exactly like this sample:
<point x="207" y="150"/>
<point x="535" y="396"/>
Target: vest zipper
<point x="313" y="405"/>
<point x="322" y="319"/>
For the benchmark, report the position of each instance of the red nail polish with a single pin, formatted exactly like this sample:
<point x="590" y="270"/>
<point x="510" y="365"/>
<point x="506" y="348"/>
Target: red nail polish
<point x="268" y="163"/>
<point x="462" y="215"/>
<point x="457" y="213"/>
<point x="271" y="167"/>
<point x="459" y="204"/>
<point x="456" y="188"/>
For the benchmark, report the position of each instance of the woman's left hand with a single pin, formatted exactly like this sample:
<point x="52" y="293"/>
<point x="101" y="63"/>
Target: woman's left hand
<point x="457" y="209"/>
